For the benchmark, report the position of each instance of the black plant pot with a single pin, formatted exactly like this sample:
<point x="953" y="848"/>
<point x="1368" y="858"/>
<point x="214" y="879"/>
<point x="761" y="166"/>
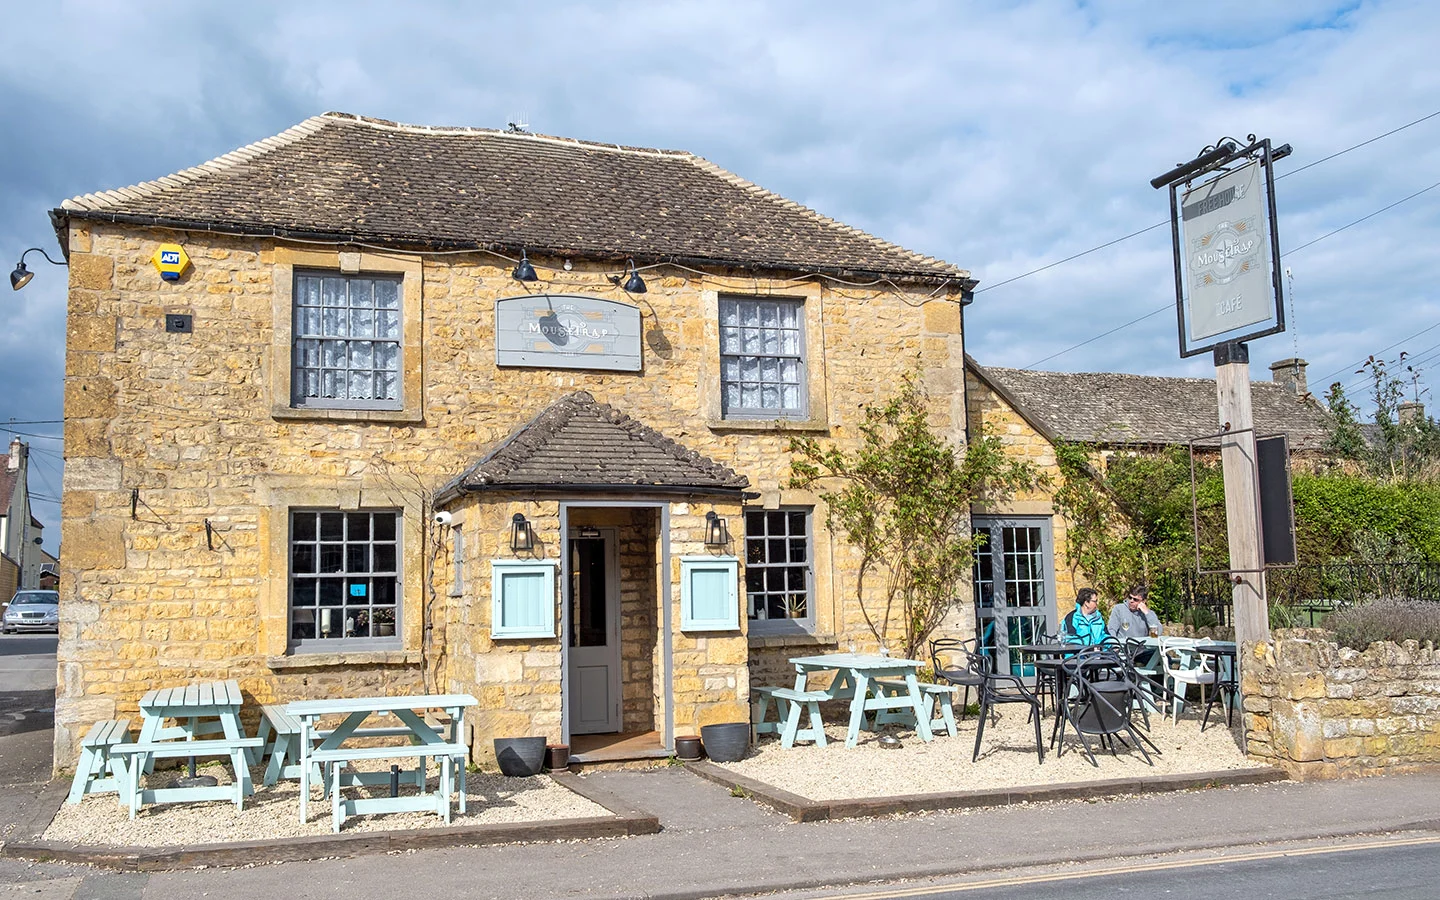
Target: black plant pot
<point x="726" y="742"/>
<point x="520" y="757"/>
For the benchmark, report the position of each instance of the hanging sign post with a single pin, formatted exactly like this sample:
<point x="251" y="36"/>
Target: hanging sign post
<point x="1228" y="291"/>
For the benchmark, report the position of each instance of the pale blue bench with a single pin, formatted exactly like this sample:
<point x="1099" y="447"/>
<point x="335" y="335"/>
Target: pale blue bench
<point x="944" y="694"/>
<point x="793" y="702"/>
<point x="142" y="755"/>
<point x="333" y="761"/>
<point x="97" y="771"/>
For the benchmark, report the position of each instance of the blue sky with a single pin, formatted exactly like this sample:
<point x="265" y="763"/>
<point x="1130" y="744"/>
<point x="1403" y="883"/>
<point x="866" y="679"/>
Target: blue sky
<point x="1000" y="136"/>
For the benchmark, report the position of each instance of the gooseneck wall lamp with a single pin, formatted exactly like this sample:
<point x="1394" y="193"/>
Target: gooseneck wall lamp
<point x="634" y="284"/>
<point x="21" y="276"/>
<point x="523" y="270"/>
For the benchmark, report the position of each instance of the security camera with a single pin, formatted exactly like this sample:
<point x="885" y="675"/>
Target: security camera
<point x="442" y="518"/>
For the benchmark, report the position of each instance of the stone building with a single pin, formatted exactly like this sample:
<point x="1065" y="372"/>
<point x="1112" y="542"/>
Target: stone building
<point x="446" y="409"/>
<point x="1033" y="411"/>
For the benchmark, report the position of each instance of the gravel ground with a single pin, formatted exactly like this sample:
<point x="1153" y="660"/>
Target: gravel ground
<point x="1007" y="759"/>
<point x="274" y="812"/>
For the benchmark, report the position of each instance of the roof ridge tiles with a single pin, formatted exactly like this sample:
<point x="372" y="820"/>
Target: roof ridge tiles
<point x="390" y="125"/>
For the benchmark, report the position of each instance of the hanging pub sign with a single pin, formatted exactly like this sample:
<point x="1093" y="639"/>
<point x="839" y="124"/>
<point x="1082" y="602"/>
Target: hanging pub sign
<point x="563" y="331"/>
<point x="1227" y="284"/>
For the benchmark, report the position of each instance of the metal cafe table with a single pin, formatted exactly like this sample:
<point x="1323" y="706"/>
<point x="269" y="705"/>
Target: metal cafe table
<point x="413" y="738"/>
<point x="1226" y="684"/>
<point x="855" y="680"/>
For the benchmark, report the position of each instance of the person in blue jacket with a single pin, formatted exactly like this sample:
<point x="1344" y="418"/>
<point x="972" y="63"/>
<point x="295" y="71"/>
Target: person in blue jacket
<point x="1084" y="624"/>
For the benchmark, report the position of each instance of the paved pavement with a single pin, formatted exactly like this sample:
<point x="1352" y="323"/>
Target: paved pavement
<point x="714" y="843"/>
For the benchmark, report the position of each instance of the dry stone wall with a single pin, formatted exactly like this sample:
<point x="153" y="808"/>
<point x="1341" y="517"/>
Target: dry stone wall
<point x="1320" y="710"/>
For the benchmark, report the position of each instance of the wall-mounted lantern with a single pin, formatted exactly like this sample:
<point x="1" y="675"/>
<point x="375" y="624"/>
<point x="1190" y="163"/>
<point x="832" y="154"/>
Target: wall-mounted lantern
<point x="717" y="534"/>
<point x="522" y="537"/>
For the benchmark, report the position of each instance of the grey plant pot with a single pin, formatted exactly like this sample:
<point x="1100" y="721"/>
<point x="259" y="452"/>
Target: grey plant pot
<point x="726" y="742"/>
<point x="520" y="757"/>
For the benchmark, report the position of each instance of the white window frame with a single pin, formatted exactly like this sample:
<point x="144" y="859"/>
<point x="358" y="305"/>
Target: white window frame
<point x="298" y="398"/>
<point x="319" y="644"/>
<point x="802" y="384"/>
<point x="499" y="568"/>
<point x="729" y="619"/>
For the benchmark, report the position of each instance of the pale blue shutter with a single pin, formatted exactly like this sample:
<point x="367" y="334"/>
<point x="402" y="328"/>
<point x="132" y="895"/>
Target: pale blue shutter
<point x="522" y="597"/>
<point x="709" y="593"/>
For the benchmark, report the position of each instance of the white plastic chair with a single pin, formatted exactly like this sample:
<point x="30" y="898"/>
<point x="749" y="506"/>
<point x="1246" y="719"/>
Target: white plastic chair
<point x="1183" y="667"/>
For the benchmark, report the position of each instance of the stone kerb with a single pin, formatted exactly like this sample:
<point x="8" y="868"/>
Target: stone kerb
<point x="1320" y="710"/>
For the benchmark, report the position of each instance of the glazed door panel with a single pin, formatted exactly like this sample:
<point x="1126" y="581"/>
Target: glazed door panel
<point x="593" y="608"/>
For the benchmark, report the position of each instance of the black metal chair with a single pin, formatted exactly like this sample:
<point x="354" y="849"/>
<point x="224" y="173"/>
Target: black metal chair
<point x="1102" y="706"/>
<point x="996" y="689"/>
<point x="952" y="660"/>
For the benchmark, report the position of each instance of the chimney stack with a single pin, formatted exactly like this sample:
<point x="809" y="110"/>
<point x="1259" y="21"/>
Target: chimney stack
<point x="17" y="450"/>
<point x="1410" y="412"/>
<point x="1291" y="373"/>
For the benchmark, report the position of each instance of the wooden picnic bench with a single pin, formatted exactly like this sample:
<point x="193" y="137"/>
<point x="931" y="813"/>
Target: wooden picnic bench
<point x="414" y="738"/>
<point x="794" y="700"/>
<point x="144" y="753"/>
<point x="97" y="771"/>
<point x="943" y="694"/>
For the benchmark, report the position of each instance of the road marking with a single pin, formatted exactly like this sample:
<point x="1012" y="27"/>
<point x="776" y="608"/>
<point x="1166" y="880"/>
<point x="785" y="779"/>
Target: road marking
<point x="1129" y="868"/>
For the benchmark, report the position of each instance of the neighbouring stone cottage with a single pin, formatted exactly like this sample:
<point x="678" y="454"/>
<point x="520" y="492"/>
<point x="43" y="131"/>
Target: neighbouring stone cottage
<point x="1027" y="565"/>
<point x="449" y="409"/>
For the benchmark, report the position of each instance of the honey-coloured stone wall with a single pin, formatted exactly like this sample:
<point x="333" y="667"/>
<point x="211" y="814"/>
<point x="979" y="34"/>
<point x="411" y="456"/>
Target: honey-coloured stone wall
<point x="1319" y="710"/>
<point x="166" y="432"/>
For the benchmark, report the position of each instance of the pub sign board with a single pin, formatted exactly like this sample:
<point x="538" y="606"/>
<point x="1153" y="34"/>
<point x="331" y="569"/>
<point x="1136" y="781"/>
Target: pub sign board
<point x="1227" y="252"/>
<point x="567" y="331"/>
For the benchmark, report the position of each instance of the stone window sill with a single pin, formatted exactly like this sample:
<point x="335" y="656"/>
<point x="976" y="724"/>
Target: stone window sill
<point x="762" y="641"/>
<point x="801" y="426"/>
<point x="351" y="658"/>
<point x="300" y="414"/>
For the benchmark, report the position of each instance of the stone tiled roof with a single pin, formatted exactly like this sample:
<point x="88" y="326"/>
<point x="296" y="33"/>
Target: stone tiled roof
<point x="1115" y="408"/>
<point x="339" y="176"/>
<point x="579" y="444"/>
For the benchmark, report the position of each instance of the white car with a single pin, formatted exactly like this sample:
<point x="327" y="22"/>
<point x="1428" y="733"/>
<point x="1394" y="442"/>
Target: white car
<point x="32" y="611"/>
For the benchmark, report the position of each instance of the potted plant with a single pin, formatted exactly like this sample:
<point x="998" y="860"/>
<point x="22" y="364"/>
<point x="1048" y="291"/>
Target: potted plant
<point x="385" y="622"/>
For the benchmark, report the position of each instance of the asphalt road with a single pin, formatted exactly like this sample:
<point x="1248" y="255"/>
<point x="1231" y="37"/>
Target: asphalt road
<point x="1408" y="869"/>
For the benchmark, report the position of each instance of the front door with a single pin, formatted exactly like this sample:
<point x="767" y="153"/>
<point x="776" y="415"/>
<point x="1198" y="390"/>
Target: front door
<point x="1014" y="587"/>
<point x="593" y="612"/>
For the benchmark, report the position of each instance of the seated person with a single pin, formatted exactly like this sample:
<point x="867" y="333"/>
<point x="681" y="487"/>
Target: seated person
<point x="1084" y="624"/>
<point x="1133" y="618"/>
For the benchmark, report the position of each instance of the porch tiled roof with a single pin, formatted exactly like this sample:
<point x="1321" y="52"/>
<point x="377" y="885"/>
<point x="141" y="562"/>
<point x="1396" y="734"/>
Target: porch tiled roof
<point x="580" y="444"/>
<point x="1117" y="408"/>
<point x="346" y="177"/>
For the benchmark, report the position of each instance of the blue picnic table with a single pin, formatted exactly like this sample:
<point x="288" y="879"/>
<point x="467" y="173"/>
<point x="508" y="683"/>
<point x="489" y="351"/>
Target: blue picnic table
<point x="857" y="678"/>
<point x="199" y="712"/>
<point x="327" y="752"/>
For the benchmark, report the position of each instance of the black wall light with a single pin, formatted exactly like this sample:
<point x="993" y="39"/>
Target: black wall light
<point x="717" y="533"/>
<point x="634" y="284"/>
<point x="522" y="537"/>
<point x="523" y="270"/>
<point x="21" y="276"/>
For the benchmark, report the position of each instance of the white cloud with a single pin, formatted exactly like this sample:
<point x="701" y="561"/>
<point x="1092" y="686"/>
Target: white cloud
<point x="1000" y="136"/>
